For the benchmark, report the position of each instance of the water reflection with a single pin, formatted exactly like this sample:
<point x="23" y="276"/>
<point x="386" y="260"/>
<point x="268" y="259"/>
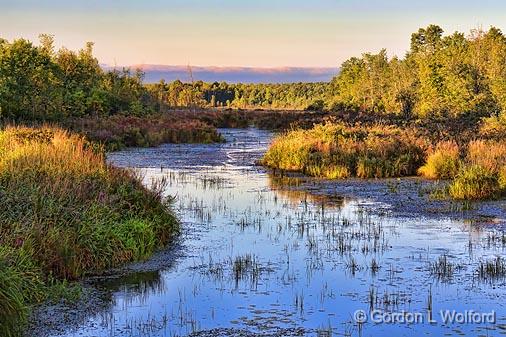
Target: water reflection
<point x="267" y="252"/>
<point x="288" y="187"/>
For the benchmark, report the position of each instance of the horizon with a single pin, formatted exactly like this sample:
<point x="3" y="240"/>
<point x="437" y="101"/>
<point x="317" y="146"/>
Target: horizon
<point x="155" y="72"/>
<point x="224" y="33"/>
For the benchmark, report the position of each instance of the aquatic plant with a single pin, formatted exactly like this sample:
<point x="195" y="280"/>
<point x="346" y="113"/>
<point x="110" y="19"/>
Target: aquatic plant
<point x="492" y="269"/>
<point x="474" y="182"/>
<point x="443" y="268"/>
<point x="66" y="213"/>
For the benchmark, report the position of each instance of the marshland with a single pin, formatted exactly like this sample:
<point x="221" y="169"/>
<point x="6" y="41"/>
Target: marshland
<point x="226" y="209"/>
<point x="264" y="254"/>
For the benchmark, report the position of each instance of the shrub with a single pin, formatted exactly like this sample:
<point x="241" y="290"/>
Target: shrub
<point x="494" y="127"/>
<point x="443" y="162"/>
<point x="474" y="182"/>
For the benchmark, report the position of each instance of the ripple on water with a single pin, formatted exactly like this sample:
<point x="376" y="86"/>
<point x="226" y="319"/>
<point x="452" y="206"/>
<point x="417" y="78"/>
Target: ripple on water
<point x="272" y="259"/>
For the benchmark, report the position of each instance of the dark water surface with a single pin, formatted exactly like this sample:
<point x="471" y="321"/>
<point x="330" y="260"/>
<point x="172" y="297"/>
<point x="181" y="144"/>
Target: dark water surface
<point x="260" y="255"/>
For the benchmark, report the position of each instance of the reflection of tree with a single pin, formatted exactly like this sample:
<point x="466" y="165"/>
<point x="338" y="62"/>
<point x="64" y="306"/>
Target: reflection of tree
<point x="301" y="190"/>
<point x="138" y="284"/>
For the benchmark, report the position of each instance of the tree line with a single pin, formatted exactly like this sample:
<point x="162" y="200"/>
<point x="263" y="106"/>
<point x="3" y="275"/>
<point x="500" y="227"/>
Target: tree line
<point x="440" y="75"/>
<point x="450" y="75"/>
<point x="290" y="96"/>
<point x="39" y="83"/>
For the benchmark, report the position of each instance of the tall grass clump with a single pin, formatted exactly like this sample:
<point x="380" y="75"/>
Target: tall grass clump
<point x="489" y="154"/>
<point x="443" y="162"/>
<point x="474" y="182"/>
<point x="334" y="150"/>
<point x="65" y="213"/>
<point x="483" y="175"/>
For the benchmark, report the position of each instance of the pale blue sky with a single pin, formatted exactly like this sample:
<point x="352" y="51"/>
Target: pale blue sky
<point x="240" y="33"/>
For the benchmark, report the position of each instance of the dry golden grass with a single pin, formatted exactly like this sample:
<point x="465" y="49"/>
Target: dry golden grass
<point x="443" y="162"/>
<point x="334" y="150"/>
<point x="489" y="154"/>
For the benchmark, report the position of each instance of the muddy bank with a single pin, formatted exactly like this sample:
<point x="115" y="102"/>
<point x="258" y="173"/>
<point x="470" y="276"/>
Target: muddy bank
<point x="50" y="319"/>
<point x="399" y="197"/>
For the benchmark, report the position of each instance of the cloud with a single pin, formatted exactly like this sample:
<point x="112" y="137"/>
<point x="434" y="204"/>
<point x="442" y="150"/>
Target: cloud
<point x="154" y="73"/>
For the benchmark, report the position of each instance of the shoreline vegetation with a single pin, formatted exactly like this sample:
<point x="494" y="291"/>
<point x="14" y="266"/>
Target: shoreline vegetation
<point x="64" y="214"/>
<point x="182" y="126"/>
<point x="451" y="93"/>
<point x="39" y="84"/>
<point x="439" y="112"/>
<point x="476" y="169"/>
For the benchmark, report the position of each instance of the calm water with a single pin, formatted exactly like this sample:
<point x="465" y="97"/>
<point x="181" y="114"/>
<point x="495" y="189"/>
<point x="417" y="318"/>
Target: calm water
<point x="261" y="254"/>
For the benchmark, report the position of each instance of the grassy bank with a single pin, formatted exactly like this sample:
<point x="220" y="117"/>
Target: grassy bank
<point x="334" y="150"/>
<point x="64" y="214"/>
<point x="476" y="168"/>
<point x="121" y="131"/>
<point x="183" y="126"/>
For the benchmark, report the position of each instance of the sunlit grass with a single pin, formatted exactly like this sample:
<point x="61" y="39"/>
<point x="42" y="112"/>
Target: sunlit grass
<point x="334" y="151"/>
<point x="477" y="170"/>
<point x="127" y="131"/>
<point x="483" y="173"/>
<point x="443" y="162"/>
<point x="66" y="213"/>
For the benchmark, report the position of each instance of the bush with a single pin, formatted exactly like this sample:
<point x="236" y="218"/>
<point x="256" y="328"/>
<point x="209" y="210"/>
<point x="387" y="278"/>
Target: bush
<point x="121" y="131"/>
<point x="474" y="183"/>
<point x="65" y="213"/>
<point x="316" y="105"/>
<point x="443" y="162"/>
<point x="494" y="127"/>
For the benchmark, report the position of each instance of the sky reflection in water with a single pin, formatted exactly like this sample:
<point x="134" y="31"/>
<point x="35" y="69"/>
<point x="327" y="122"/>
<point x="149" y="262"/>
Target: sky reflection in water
<point x="261" y="254"/>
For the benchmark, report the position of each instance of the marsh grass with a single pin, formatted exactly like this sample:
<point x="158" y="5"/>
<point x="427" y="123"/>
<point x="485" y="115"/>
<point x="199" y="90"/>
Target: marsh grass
<point x="64" y="214"/>
<point x="483" y="175"/>
<point x="474" y="182"/>
<point x="443" y="269"/>
<point x="120" y="131"/>
<point x="334" y="150"/>
<point x="492" y="269"/>
<point x="488" y="154"/>
<point x="443" y="162"/>
<point x="476" y="170"/>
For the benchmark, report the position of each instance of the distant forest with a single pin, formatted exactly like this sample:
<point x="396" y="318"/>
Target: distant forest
<point x="440" y="75"/>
